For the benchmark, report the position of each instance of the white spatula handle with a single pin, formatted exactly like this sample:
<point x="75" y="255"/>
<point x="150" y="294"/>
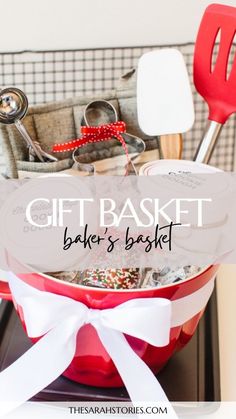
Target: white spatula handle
<point x="207" y="145"/>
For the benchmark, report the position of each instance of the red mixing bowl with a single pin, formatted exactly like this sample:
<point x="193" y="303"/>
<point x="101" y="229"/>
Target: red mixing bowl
<point x="91" y="364"/>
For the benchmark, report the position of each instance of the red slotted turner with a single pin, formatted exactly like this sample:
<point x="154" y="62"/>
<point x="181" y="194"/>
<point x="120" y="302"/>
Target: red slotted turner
<point x="215" y="83"/>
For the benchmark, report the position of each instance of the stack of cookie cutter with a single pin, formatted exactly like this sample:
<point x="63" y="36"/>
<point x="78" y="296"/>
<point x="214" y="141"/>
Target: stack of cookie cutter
<point x="99" y="112"/>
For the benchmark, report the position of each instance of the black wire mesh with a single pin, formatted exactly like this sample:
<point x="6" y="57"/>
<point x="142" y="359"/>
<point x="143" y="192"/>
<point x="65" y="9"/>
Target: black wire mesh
<point x="47" y="76"/>
<point x="54" y="75"/>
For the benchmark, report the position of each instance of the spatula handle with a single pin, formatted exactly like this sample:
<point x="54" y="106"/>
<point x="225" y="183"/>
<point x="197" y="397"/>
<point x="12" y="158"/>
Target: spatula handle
<point x="171" y="146"/>
<point x="207" y="145"/>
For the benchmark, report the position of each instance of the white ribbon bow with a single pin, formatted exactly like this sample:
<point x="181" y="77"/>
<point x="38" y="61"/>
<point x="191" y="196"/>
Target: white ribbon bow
<point x="58" y="319"/>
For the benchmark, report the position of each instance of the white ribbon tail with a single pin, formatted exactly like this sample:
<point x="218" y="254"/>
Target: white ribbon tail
<point x="139" y="380"/>
<point x="38" y="367"/>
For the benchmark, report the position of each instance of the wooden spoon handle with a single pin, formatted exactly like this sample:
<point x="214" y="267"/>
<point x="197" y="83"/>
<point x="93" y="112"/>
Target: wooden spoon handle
<point x="171" y="146"/>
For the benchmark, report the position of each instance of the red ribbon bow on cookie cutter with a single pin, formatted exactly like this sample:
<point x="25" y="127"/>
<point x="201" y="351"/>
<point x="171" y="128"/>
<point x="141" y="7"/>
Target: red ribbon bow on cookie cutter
<point x="95" y="134"/>
<point x="102" y="124"/>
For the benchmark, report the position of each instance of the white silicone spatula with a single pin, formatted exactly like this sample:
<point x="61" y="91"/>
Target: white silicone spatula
<point x="164" y="99"/>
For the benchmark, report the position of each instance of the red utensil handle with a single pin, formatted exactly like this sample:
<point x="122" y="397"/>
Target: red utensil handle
<point x="5" y="292"/>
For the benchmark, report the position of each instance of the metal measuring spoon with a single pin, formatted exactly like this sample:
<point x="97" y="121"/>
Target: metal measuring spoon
<point x="13" y="107"/>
